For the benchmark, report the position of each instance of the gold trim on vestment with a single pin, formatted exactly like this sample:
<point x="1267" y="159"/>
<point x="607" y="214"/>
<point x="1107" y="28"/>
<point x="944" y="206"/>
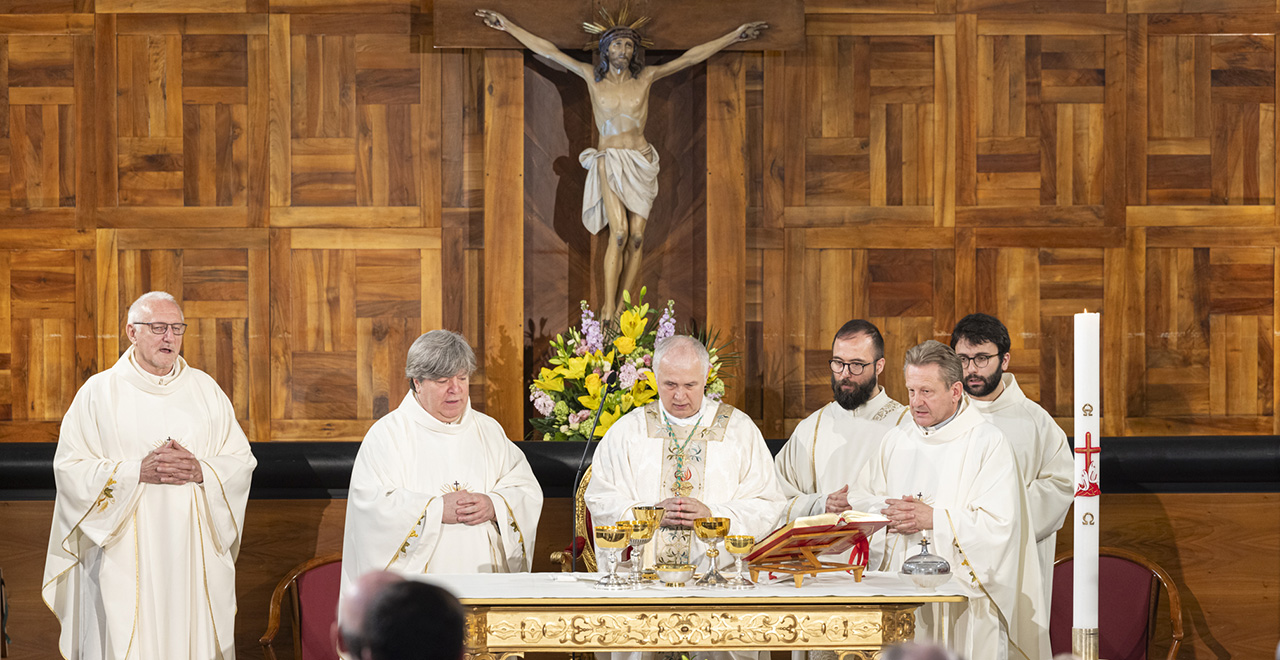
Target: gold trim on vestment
<point x="92" y="506"/>
<point x="973" y="575"/>
<point x="137" y="585"/>
<point x="512" y="515"/>
<point x="223" y="489"/>
<point x="403" y="548"/>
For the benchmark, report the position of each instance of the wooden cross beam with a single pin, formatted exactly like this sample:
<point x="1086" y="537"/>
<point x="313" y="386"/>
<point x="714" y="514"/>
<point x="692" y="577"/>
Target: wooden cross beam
<point x="675" y="24"/>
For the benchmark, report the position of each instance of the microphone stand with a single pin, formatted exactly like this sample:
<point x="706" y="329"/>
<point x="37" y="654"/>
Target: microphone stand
<point x="611" y="383"/>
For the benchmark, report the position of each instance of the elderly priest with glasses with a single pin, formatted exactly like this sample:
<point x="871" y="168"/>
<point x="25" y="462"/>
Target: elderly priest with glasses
<point x="437" y="487"/>
<point x="153" y="474"/>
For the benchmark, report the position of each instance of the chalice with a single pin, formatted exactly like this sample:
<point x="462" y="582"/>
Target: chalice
<point x="739" y="546"/>
<point x="653" y="516"/>
<point x="639" y="533"/>
<point x="610" y="540"/>
<point x="711" y="531"/>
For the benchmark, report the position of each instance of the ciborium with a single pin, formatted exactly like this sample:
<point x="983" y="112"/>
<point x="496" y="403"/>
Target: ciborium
<point x="739" y="546"/>
<point x="610" y="540"/>
<point x="653" y="516"/>
<point x="711" y="531"/>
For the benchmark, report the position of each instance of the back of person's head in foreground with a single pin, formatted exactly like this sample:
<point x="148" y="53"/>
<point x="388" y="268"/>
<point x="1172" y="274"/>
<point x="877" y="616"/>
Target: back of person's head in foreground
<point x="413" y="620"/>
<point x="914" y="651"/>
<point x="348" y="629"/>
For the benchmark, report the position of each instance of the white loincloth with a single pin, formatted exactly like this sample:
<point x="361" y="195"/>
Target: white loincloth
<point x="632" y="175"/>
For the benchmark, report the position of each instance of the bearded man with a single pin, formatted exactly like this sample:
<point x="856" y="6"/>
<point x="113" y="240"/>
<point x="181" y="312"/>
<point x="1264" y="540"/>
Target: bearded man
<point x="829" y="447"/>
<point x="1044" y="457"/>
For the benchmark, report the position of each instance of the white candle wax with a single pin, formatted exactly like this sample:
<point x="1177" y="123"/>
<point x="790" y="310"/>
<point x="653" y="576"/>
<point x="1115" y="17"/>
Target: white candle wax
<point x="1087" y="463"/>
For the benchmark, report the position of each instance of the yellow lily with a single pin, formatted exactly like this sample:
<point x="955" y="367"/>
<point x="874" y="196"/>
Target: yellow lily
<point x="641" y="393"/>
<point x="633" y="321"/>
<point x="574" y="367"/>
<point x="624" y="344"/>
<point x="591" y="400"/>
<point x="549" y="381"/>
<point x="607" y="418"/>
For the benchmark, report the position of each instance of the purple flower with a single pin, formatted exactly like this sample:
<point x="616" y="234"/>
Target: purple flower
<point x="667" y="324"/>
<point x="542" y="401"/>
<point x="592" y="336"/>
<point x="627" y="376"/>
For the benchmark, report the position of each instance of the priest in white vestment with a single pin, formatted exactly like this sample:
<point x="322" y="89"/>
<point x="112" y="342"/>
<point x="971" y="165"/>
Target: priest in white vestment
<point x="153" y="475"/>
<point x="437" y="487"/>
<point x="949" y="473"/>
<point x="830" y="446"/>
<point x="694" y="456"/>
<point x="1044" y="458"/>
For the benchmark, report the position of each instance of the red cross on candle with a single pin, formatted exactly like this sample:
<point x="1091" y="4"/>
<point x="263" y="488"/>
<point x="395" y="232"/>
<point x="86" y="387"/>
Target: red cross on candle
<point x="1086" y="486"/>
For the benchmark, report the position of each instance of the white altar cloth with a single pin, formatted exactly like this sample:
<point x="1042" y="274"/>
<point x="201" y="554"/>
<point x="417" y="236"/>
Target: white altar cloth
<point x="875" y="586"/>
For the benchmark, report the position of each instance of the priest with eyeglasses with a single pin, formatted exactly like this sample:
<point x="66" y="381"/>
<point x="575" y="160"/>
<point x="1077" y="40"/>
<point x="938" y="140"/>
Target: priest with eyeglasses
<point x="153" y="473"/>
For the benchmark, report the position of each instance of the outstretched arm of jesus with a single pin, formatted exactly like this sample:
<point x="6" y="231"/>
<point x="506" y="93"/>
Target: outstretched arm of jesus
<point x="533" y="42"/>
<point x="700" y="53"/>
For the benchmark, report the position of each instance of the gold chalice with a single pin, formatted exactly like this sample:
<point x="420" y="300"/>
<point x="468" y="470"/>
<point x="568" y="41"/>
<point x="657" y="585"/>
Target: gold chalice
<point x="739" y="546"/>
<point x="653" y="516"/>
<point x="639" y="533"/>
<point x="711" y="530"/>
<point x="610" y="540"/>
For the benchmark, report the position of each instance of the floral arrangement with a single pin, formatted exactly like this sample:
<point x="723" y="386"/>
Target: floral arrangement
<point x="568" y="393"/>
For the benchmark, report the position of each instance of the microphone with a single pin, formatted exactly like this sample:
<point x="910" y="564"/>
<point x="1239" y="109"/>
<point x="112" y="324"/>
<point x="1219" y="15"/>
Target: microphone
<point x="610" y="384"/>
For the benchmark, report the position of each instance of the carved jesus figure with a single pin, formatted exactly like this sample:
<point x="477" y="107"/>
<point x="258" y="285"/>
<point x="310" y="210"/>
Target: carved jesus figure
<point x="622" y="170"/>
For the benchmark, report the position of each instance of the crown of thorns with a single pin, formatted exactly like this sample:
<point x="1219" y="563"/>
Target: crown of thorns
<point x="610" y="28"/>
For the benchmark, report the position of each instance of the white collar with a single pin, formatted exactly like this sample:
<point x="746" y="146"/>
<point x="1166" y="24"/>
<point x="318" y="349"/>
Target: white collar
<point x="150" y="377"/>
<point x="704" y="412"/>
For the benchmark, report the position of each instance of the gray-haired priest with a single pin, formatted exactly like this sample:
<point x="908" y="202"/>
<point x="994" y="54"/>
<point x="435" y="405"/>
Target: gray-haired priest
<point x="153" y="476"/>
<point x="950" y="474"/>
<point x="437" y="487"/>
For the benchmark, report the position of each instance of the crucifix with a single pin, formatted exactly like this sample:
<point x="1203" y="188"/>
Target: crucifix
<point x="623" y="166"/>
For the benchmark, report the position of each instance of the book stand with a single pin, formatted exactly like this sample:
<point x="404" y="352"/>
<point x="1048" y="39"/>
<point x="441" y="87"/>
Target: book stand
<point x="796" y="550"/>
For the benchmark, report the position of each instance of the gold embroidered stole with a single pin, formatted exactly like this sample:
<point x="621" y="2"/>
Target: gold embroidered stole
<point x="683" y="471"/>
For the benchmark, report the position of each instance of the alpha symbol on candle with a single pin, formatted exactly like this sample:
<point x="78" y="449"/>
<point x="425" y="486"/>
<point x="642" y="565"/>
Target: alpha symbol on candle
<point x="1087" y="481"/>
<point x="1087" y="410"/>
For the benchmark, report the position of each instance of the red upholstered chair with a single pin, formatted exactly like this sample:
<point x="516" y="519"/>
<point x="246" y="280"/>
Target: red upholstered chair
<point x="312" y="589"/>
<point x="1128" y="598"/>
<point x="582" y="546"/>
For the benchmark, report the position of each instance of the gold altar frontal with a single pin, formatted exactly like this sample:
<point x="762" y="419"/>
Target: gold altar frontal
<point x="561" y="619"/>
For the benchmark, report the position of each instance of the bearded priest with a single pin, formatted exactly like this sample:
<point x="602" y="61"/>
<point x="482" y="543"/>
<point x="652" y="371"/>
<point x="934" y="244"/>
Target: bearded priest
<point x="153" y="475"/>
<point x="950" y="475"/>
<point x="831" y="445"/>
<point x="437" y="487"/>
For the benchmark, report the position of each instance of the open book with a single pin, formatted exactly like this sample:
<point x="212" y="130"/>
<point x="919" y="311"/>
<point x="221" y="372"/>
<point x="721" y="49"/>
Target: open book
<point x="796" y="547"/>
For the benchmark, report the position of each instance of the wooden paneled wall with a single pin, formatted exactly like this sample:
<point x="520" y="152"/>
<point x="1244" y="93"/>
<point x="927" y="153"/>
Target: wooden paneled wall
<point x="318" y="185"/>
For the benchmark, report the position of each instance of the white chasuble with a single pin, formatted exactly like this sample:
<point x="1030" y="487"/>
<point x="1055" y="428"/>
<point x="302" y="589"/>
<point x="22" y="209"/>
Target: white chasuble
<point x="138" y="570"/>
<point x="1045" y="462"/>
<point x="827" y="450"/>
<point x="968" y="473"/>
<point x="407" y="462"/>
<point x="720" y="459"/>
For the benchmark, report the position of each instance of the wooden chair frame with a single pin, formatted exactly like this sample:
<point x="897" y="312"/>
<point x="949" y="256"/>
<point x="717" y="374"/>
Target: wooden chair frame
<point x="289" y="584"/>
<point x="1159" y="577"/>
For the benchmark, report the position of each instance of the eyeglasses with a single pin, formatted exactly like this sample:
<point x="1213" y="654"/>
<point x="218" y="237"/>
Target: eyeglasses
<point x="159" y="328"/>
<point x="979" y="361"/>
<point x="855" y="368"/>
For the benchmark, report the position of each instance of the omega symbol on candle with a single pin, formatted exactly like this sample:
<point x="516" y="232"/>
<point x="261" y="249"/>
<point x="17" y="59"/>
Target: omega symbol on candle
<point x="1087" y="409"/>
<point x="1088" y="518"/>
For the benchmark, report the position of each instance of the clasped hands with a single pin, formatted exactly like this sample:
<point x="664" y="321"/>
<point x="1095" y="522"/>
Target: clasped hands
<point x="170" y="464"/>
<point x="682" y="511"/>
<point x="908" y="515"/>
<point x="467" y="508"/>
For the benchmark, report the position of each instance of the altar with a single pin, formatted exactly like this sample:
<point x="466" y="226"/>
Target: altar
<point x="513" y="614"/>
